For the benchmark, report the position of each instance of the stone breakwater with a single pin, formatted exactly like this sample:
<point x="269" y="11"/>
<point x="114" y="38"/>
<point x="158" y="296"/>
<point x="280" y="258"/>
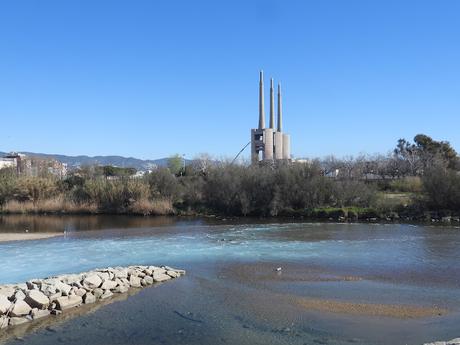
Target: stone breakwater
<point x="39" y="298"/>
<point x="455" y="341"/>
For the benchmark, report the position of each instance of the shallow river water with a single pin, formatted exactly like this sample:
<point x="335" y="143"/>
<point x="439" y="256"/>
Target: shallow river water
<point x="338" y="283"/>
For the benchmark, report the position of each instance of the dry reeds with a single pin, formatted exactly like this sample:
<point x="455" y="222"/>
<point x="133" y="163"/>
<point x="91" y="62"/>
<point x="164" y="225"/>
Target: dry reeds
<point x="55" y="205"/>
<point x="146" y="207"/>
<point x="159" y="207"/>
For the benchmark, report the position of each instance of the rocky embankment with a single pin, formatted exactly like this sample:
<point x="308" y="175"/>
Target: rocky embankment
<point x="38" y="298"/>
<point x="455" y="341"/>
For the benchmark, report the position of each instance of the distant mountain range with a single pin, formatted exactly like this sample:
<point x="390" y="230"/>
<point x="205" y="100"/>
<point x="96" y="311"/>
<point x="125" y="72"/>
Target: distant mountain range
<point x="119" y="161"/>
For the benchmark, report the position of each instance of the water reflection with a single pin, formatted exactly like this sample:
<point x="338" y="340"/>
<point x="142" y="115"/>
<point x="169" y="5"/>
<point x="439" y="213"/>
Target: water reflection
<point x="55" y="223"/>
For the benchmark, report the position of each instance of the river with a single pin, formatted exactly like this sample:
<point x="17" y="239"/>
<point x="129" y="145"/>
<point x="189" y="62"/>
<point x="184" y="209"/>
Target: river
<point x="248" y="281"/>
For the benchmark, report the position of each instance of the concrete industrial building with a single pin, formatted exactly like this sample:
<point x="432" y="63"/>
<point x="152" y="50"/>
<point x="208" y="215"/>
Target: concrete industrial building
<point x="270" y="144"/>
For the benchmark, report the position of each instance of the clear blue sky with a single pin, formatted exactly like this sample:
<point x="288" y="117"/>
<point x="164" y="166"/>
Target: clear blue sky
<point x="152" y="78"/>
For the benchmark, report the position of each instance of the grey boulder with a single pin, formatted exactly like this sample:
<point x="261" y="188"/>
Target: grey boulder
<point x="135" y="281"/>
<point x="5" y="304"/>
<point x="92" y="281"/>
<point x="89" y="298"/>
<point x="38" y="314"/>
<point x="98" y="292"/>
<point x="161" y="277"/>
<point x="107" y="294"/>
<point x="67" y="302"/>
<point x="19" y="295"/>
<point x="37" y="299"/>
<point x="108" y="285"/>
<point x="20" y="308"/>
<point x="63" y="288"/>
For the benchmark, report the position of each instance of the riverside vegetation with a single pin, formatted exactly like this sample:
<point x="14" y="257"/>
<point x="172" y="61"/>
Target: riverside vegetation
<point x="418" y="180"/>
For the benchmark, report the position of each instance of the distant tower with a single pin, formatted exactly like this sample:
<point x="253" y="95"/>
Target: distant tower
<point x="280" y="112"/>
<point x="273" y="144"/>
<point x="278" y="138"/>
<point x="286" y="137"/>
<point x="261" y="101"/>
<point x="272" y="105"/>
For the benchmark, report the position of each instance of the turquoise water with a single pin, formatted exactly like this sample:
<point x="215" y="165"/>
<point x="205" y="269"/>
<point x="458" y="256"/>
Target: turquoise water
<point x="373" y="248"/>
<point x="232" y="262"/>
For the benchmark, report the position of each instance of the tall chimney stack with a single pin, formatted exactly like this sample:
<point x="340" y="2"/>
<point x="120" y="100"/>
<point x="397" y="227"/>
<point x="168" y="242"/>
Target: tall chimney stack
<point x="261" y="101"/>
<point x="272" y="105"/>
<point x="280" y="111"/>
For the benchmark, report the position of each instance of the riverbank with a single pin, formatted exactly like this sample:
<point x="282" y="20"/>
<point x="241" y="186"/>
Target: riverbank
<point x="369" y="214"/>
<point x="166" y="209"/>
<point x="14" y="236"/>
<point x="39" y="298"/>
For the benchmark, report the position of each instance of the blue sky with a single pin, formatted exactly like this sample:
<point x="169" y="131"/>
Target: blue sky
<point x="152" y="78"/>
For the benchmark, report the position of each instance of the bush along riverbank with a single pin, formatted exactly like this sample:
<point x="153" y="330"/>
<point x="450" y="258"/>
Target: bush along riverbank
<point x="261" y="190"/>
<point x="356" y="214"/>
<point x="39" y="298"/>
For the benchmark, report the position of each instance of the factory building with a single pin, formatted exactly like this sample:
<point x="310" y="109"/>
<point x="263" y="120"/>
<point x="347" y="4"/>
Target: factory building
<point x="270" y="144"/>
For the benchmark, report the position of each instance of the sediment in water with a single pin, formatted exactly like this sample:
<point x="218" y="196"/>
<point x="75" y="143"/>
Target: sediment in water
<point x="39" y="298"/>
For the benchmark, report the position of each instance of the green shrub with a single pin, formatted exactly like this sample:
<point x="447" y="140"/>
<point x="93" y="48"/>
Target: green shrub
<point x="411" y="184"/>
<point x="163" y="184"/>
<point x="442" y="189"/>
<point x="7" y="185"/>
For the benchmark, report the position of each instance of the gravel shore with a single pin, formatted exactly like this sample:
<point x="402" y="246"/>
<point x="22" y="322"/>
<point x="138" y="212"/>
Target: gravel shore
<point x="8" y="237"/>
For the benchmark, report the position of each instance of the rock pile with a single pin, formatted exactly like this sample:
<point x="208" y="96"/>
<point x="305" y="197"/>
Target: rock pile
<point x="455" y="341"/>
<point x="37" y="298"/>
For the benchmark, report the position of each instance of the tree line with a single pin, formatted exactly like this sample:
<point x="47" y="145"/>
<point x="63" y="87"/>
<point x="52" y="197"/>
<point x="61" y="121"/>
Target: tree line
<point x="414" y="178"/>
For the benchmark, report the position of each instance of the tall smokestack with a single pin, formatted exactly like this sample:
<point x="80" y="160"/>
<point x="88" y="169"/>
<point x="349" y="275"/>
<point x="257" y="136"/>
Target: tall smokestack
<point x="272" y="104"/>
<point x="261" y="101"/>
<point x="280" y="111"/>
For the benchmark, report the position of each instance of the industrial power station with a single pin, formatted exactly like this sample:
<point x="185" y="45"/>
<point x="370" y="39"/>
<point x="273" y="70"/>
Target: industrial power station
<point x="270" y="144"/>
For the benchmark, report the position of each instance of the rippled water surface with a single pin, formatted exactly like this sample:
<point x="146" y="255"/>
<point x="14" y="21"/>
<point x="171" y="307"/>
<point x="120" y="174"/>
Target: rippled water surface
<point x="232" y="293"/>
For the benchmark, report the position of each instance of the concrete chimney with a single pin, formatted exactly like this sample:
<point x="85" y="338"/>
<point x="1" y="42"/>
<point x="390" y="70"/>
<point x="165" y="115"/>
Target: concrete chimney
<point x="272" y="105"/>
<point x="280" y="110"/>
<point x="261" y="101"/>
